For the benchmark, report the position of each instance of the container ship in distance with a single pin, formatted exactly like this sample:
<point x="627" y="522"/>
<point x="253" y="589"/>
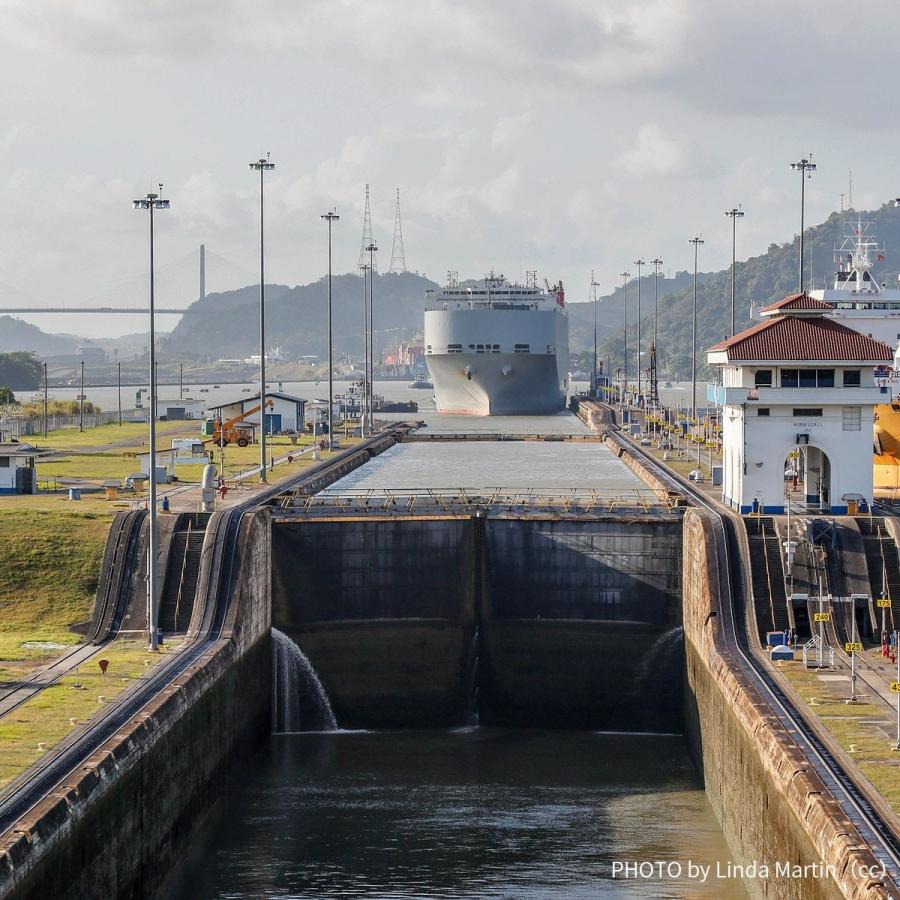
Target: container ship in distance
<point x="498" y="349"/>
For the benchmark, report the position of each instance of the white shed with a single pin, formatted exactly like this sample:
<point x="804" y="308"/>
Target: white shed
<point x="17" y="471"/>
<point x="284" y="415"/>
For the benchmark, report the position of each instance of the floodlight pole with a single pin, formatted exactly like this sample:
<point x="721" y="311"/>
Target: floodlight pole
<point x="262" y="166"/>
<point x="625" y="276"/>
<point x="81" y="401"/>
<point x="372" y="248"/>
<point x="734" y="214"/>
<point x="696" y="241"/>
<point x="330" y="217"/>
<point x="640" y="264"/>
<point x="657" y="262"/>
<point x="805" y="167"/>
<point x="45" y="399"/>
<point x="364" y="399"/>
<point x="150" y="203"/>
<point x="119" y="388"/>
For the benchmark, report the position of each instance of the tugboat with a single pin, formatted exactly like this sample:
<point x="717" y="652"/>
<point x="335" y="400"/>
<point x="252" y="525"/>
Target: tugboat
<point x="422" y="382"/>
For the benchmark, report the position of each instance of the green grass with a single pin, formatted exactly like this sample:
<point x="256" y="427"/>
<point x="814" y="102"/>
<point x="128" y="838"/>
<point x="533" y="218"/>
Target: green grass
<point x="34" y="728"/>
<point x="52" y="566"/>
<point x="127" y="435"/>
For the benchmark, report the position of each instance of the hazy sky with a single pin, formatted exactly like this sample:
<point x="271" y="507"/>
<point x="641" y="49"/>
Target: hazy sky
<point x="560" y="136"/>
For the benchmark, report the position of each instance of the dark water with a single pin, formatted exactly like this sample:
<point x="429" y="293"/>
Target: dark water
<point x="473" y="813"/>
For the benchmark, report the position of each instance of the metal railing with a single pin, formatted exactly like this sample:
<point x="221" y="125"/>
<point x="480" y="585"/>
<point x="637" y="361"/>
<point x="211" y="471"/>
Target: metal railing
<point x="408" y="500"/>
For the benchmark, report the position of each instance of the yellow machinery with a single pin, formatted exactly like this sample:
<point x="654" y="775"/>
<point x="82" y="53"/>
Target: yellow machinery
<point x="228" y="432"/>
<point x="886" y="458"/>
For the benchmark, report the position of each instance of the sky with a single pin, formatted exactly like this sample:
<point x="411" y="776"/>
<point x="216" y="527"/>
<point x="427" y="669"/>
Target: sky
<point x="564" y="136"/>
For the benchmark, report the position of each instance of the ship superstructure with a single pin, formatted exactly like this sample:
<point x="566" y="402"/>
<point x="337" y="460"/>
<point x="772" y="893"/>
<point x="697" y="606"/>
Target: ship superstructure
<point x="858" y="299"/>
<point x="497" y="348"/>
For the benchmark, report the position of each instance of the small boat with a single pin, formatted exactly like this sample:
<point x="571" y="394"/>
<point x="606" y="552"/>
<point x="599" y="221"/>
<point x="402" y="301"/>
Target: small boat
<point x="422" y="382"/>
<point x="668" y="384"/>
<point x="216" y="387"/>
<point x="246" y="390"/>
<point x="204" y="390"/>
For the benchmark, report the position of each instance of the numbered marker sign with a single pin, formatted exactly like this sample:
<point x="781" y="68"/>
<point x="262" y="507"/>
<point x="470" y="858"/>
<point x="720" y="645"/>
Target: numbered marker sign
<point x="821" y="617"/>
<point x="853" y="647"/>
<point x="895" y="687"/>
<point x="883" y="604"/>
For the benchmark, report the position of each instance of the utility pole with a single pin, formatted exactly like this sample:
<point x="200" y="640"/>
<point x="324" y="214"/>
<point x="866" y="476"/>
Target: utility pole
<point x="262" y="166"/>
<point x="372" y="247"/>
<point x="805" y="167"/>
<point x="657" y="262"/>
<point x="150" y="203"/>
<point x="180" y="380"/>
<point x="625" y="276"/>
<point x="119" y="387"/>
<point x="364" y="399"/>
<point x="81" y="401"/>
<point x="734" y="214"/>
<point x="696" y="241"/>
<point x="594" y="302"/>
<point x="45" y="400"/>
<point x="640" y="264"/>
<point x="330" y="217"/>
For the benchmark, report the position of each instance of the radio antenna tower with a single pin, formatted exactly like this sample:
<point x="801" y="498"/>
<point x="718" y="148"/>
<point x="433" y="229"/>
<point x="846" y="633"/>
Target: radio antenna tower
<point x="367" y="238"/>
<point x="398" y="260"/>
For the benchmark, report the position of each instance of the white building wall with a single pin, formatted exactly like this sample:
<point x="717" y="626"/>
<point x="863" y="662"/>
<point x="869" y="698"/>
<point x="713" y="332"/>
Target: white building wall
<point x="756" y="450"/>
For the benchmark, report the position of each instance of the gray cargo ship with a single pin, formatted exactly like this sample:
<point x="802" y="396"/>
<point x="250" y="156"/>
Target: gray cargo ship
<point x="494" y="348"/>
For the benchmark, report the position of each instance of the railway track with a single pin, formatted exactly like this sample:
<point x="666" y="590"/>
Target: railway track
<point x="24" y="792"/>
<point x="860" y="808"/>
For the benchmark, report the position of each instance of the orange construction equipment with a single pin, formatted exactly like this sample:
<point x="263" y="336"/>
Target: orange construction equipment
<point x="228" y="433"/>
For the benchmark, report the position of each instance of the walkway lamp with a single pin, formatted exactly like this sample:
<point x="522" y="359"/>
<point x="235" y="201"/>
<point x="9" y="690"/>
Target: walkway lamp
<point x="150" y="203"/>
<point x="262" y="166"/>
<point x="625" y="276"/>
<point x="330" y="217"/>
<point x="805" y="167"/>
<point x="734" y="214"/>
<point x="697" y="240"/>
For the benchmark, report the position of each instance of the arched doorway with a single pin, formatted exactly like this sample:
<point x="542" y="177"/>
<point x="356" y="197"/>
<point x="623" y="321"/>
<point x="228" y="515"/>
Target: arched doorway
<point x="807" y="479"/>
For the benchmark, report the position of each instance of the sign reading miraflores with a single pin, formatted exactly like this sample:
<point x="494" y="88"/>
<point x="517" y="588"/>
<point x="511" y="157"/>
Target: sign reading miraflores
<point x="703" y="873"/>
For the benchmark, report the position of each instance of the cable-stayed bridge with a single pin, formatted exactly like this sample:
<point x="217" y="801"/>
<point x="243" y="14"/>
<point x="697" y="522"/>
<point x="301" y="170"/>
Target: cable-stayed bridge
<point x="179" y="283"/>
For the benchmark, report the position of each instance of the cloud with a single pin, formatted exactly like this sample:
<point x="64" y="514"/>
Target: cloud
<point x="656" y="153"/>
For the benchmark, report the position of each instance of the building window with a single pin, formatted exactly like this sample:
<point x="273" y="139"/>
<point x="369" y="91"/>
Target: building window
<point x="763" y="378"/>
<point x="851" y="378"/>
<point x="851" y="418"/>
<point x="4" y="462"/>
<point x="804" y="412"/>
<point x="762" y="411"/>
<point x="807" y="378"/>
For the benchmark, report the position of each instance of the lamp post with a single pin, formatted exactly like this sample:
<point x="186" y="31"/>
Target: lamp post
<point x="330" y="217"/>
<point x="372" y="248"/>
<point x="119" y="388"/>
<point x="594" y="284"/>
<point x="805" y="167"/>
<point x="734" y="214"/>
<point x="696" y="241"/>
<point x="150" y="203"/>
<point x="640" y="264"/>
<point x="45" y="399"/>
<point x="81" y="401"/>
<point x="657" y="262"/>
<point x="364" y="399"/>
<point x="262" y="166"/>
<point x="624" y="276"/>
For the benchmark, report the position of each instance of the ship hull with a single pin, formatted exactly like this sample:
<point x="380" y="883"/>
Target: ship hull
<point x="497" y="384"/>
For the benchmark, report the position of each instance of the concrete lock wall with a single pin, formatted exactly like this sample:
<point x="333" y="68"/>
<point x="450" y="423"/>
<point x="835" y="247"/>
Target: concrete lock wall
<point x="383" y="611"/>
<point x="771" y="805"/>
<point x="554" y="622"/>
<point x="124" y="819"/>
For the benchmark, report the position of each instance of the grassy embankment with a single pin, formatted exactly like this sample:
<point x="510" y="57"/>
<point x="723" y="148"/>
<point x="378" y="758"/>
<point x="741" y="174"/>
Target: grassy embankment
<point x="866" y="730"/>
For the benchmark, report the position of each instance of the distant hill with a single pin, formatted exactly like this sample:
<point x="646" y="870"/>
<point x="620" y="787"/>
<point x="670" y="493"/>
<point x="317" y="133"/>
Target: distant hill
<point x="760" y="279"/>
<point x="18" y="335"/>
<point x="226" y="325"/>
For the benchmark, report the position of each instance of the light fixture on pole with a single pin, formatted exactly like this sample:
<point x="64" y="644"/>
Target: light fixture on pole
<point x="594" y="284"/>
<point x="640" y="264"/>
<point x="696" y="241"/>
<point x="734" y="214"/>
<point x="330" y="217"/>
<point x="372" y="247"/>
<point x="152" y="202"/>
<point x="119" y="388"/>
<point x="262" y="166"/>
<point x="805" y="167"/>
<point x="625" y="276"/>
<point x="364" y="398"/>
<point x="81" y="401"/>
<point x="657" y="262"/>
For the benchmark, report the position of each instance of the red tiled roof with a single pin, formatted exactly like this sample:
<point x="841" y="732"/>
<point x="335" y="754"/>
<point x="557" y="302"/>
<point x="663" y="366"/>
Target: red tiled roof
<point x="803" y="338"/>
<point x="797" y="301"/>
